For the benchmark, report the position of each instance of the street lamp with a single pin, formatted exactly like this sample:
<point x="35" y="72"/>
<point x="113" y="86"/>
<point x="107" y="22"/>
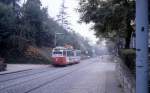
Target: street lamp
<point x="55" y="41"/>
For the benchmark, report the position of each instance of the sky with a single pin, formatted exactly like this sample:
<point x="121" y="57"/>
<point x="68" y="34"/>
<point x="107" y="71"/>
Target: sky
<point x="54" y="8"/>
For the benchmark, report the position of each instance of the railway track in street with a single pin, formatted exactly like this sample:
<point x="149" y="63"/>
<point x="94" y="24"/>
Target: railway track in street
<point x="29" y="83"/>
<point x="26" y="78"/>
<point x="66" y="74"/>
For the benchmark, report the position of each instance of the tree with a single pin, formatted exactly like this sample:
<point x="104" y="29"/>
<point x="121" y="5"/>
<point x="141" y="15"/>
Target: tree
<point x="7" y="21"/>
<point x="111" y="17"/>
<point x="7" y="17"/>
<point x="62" y="17"/>
<point x="30" y="24"/>
<point x="33" y="18"/>
<point x="8" y="25"/>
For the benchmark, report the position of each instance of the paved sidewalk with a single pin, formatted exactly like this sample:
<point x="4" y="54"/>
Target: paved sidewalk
<point x="22" y="67"/>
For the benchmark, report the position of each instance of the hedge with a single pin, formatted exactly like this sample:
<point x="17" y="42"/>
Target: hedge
<point x="128" y="56"/>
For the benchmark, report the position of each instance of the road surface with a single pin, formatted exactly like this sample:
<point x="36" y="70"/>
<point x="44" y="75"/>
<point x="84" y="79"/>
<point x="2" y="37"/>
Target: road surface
<point x="95" y="75"/>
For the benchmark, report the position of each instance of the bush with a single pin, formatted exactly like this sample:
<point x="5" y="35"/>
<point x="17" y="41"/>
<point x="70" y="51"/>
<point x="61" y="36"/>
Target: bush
<point x="32" y="55"/>
<point x="128" y="56"/>
<point x="27" y="60"/>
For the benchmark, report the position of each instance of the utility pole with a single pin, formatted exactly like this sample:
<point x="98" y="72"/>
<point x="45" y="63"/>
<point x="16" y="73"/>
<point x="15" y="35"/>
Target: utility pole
<point x="141" y="46"/>
<point x="55" y="38"/>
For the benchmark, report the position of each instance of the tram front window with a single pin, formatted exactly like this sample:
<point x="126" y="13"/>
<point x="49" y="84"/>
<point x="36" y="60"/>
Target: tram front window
<point x="57" y="53"/>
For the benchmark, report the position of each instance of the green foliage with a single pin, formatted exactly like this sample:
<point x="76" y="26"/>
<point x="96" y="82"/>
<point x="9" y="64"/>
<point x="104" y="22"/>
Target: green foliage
<point x="33" y="18"/>
<point x="111" y="17"/>
<point x="26" y="60"/>
<point x="30" y="24"/>
<point x="7" y="26"/>
<point x="8" y="2"/>
<point x="7" y="21"/>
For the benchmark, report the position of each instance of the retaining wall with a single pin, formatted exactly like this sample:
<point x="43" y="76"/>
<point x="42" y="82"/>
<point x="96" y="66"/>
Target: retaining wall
<point x="126" y="78"/>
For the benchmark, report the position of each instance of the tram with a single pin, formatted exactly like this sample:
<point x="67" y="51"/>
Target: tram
<point x="64" y="56"/>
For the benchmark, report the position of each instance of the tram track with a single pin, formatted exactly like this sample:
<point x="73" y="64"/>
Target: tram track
<point x="23" y="73"/>
<point x="26" y="78"/>
<point x="66" y="74"/>
<point x="58" y="74"/>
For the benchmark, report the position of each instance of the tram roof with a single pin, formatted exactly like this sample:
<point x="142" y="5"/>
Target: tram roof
<point x="62" y="48"/>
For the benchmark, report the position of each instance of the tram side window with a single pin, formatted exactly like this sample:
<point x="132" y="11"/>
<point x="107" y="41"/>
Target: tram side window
<point x="78" y="53"/>
<point x="64" y="53"/>
<point x="70" y="53"/>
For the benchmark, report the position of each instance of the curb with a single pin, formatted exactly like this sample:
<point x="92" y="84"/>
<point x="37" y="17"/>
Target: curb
<point x="10" y="72"/>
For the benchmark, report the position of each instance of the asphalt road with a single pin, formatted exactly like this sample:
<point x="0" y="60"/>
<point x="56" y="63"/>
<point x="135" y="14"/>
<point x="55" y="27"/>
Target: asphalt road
<point x="95" y="75"/>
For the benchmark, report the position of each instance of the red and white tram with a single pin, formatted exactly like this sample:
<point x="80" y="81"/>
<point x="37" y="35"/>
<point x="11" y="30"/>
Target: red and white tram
<point x="65" y="56"/>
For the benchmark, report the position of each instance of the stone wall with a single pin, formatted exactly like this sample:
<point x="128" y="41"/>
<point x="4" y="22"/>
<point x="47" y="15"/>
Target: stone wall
<point x="126" y="78"/>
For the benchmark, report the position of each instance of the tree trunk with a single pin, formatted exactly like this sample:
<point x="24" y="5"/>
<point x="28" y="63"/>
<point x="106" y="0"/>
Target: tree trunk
<point x="129" y="33"/>
<point x="129" y="29"/>
<point x="128" y="40"/>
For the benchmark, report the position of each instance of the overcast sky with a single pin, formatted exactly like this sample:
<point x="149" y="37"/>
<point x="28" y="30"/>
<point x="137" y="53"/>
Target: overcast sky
<point x="54" y="8"/>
